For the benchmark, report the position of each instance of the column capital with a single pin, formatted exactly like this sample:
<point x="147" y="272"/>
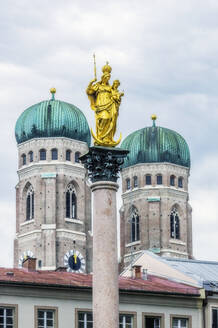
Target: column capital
<point x="104" y="163"/>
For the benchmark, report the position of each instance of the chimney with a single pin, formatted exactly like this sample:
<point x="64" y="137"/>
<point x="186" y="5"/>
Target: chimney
<point x="29" y="264"/>
<point x="137" y="271"/>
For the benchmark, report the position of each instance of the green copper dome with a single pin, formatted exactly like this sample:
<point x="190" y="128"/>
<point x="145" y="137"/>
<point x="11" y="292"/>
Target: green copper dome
<point x="52" y="118"/>
<point x="156" y="145"/>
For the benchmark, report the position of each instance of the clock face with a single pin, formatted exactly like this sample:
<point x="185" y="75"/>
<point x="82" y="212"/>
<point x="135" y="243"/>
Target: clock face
<point x="24" y="256"/>
<point x="74" y="261"/>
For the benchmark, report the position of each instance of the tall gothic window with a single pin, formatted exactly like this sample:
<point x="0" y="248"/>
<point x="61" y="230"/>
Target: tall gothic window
<point x="135" y="231"/>
<point x="68" y="155"/>
<point x="30" y="204"/>
<point x="71" y="203"/>
<point x="54" y="154"/>
<point x="174" y="224"/>
<point x="42" y="154"/>
<point x="77" y="156"/>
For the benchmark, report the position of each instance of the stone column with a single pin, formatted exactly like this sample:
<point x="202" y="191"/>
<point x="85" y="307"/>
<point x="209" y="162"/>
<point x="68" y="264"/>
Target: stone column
<point x="103" y="165"/>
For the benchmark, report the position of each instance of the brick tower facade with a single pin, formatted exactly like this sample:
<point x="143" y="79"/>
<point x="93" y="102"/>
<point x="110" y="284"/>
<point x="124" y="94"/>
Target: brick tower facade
<point x="156" y="214"/>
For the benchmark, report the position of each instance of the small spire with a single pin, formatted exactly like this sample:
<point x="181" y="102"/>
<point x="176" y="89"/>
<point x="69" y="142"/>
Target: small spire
<point x="154" y="117"/>
<point x="53" y="91"/>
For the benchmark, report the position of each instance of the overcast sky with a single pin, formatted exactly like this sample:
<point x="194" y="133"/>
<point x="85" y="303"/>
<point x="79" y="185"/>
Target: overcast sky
<point x="165" y="54"/>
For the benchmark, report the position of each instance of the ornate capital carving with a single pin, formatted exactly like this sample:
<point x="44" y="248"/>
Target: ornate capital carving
<point x="103" y="164"/>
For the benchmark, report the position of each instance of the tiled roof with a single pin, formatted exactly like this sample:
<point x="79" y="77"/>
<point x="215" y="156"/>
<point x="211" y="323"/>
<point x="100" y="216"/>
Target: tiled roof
<point x="66" y="279"/>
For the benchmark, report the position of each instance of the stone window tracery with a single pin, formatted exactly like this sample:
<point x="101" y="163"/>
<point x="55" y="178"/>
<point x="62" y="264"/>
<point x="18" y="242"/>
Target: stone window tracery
<point x="174" y="224"/>
<point x="71" y="202"/>
<point x="30" y="204"/>
<point x="135" y="229"/>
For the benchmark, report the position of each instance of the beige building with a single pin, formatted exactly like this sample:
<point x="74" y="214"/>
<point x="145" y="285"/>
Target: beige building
<point x="202" y="274"/>
<point x="31" y="298"/>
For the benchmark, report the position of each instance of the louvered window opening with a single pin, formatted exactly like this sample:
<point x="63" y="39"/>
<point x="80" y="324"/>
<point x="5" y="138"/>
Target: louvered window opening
<point x="30" y="204"/>
<point x="174" y="224"/>
<point x="71" y="203"/>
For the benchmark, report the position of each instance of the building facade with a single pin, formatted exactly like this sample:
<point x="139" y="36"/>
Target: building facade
<point x="62" y="299"/>
<point x="156" y="214"/>
<point x="53" y="199"/>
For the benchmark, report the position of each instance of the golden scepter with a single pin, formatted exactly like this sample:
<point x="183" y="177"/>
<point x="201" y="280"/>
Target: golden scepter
<point x="95" y="67"/>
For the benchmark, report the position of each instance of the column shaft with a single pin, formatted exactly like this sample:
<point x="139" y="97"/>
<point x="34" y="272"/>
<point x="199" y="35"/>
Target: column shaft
<point x="105" y="264"/>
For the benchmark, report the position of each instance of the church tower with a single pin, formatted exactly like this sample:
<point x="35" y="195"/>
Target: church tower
<point x="53" y="200"/>
<point x="155" y="214"/>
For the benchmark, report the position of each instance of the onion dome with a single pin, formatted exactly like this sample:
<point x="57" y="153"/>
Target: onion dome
<point x="156" y="144"/>
<point x="52" y="118"/>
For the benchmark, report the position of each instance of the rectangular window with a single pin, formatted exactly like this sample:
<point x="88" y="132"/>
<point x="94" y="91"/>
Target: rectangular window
<point x="180" y="323"/>
<point x="126" y="321"/>
<point x="85" y="320"/>
<point x="159" y="179"/>
<point x="45" y="317"/>
<point x="54" y="154"/>
<point x="215" y="318"/>
<point x="153" y="320"/>
<point x="7" y="317"/>
<point x="148" y="179"/>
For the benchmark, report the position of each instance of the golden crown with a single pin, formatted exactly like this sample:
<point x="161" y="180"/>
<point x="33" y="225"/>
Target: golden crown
<point x="106" y="68"/>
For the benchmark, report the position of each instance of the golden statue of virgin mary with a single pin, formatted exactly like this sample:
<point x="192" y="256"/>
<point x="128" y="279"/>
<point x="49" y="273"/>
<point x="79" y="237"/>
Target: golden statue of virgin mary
<point x="105" y="100"/>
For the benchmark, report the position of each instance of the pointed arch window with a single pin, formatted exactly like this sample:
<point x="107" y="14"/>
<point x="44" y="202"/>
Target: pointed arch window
<point x="31" y="156"/>
<point x="77" y="156"/>
<point x="30" y="204"/>
<point x="42" y="154"/>
<point x="23" y="159"/>
<point x="68" y="155"/>
<point x="135" y="229"/>
<point x="54" y="154"/>
<point x="71" y="202"/>
<point x="135" y="182"/>
<point x="174" y="224"/>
